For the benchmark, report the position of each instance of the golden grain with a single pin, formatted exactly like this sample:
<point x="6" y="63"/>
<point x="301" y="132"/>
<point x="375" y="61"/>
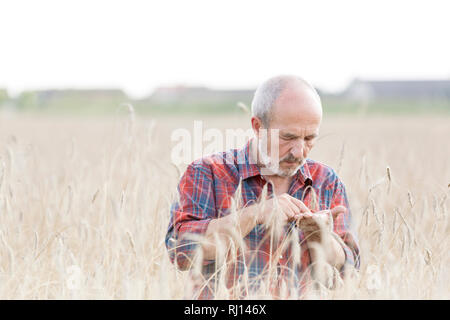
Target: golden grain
<point x="103" y="206"/>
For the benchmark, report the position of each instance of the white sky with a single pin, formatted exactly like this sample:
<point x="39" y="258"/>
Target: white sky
<point x="139" y="45"/>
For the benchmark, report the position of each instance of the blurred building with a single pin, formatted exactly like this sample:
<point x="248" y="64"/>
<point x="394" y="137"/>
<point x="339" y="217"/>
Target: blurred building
<point x="198" y="94"/>
<point x="46" y="96"/>
<point x="404" y="89"/>
<point x="71" y="97"/>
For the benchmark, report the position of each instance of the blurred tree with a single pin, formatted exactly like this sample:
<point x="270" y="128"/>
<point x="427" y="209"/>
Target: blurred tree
<point x="27" y="100"/>
<point x="3" y="96"/>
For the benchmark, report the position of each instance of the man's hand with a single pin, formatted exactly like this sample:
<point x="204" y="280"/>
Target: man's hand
<point x="278" y="210"/>
<point x="317" y="229"/>
<point x="319" y="224"/>
<point x="289" y="209"/>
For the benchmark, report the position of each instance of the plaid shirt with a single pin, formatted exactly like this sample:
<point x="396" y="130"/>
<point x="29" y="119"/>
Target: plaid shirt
<point x="205" y="193"/>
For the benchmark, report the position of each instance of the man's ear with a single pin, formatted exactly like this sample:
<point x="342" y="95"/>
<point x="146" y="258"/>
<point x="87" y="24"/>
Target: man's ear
<point x="256" y="126"/>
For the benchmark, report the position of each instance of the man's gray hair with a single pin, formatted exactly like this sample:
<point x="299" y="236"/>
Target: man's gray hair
<point x="267" y="93"/>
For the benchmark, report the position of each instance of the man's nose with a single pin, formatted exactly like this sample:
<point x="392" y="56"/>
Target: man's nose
<point x="297" y="149"/>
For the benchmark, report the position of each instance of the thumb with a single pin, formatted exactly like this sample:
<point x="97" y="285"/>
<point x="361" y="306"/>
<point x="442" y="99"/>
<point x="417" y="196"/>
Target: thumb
<point x="336" y="211"/>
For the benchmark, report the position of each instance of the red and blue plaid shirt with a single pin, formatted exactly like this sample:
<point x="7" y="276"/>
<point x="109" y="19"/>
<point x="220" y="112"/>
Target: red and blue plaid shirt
<point x="206" y="191"/>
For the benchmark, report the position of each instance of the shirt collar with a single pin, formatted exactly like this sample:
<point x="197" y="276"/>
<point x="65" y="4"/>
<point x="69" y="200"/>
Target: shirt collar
<point x="248" y="168"/>
<point x="304" y="175"/>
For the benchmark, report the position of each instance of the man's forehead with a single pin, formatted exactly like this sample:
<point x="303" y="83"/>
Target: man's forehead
<point x="306" y="124"/>
<point x="300" y="131"/>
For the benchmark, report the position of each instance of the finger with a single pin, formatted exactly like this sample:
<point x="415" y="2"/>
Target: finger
<point x="303" y="208"/>
<point x="288" y="208"/>
<point x="296" y="211"/>
<point x="285" y="200"/>
<point x="322" y="219"/>
<point x="323" y="212"/>
<point x="304" y="215"/>
<point x="304" y="218"/>
<point x="324" y="215"/>
<point x="290" y="213"/>
<point x="336" y="211"/>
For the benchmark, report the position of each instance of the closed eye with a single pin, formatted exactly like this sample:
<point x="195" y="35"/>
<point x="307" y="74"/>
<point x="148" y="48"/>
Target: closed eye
<point x="289" y="137"/>
<point x="309" y="138"/>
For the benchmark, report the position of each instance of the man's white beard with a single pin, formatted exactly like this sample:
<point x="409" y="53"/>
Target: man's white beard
<point x="273" y="166"/>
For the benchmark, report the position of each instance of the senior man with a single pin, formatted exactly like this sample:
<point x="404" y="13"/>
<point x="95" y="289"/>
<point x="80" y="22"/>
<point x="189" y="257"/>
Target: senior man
<point x="265" y="211"/>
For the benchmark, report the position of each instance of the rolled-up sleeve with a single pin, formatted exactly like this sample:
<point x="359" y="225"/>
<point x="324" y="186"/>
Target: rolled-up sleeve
<point x="190" y="215"/>
<point x="342" y="225"/>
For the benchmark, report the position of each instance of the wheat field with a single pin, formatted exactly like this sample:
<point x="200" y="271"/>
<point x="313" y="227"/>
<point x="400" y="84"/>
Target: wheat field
<point x="84" y="204"/>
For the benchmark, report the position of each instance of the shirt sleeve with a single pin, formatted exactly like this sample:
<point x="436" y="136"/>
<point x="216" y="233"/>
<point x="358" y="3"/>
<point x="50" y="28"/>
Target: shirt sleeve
<point x="190" y="215"/>
<point x="342" y="225"/>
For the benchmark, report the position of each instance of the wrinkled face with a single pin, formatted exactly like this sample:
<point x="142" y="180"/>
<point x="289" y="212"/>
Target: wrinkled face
<point x="297" y="115"/>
